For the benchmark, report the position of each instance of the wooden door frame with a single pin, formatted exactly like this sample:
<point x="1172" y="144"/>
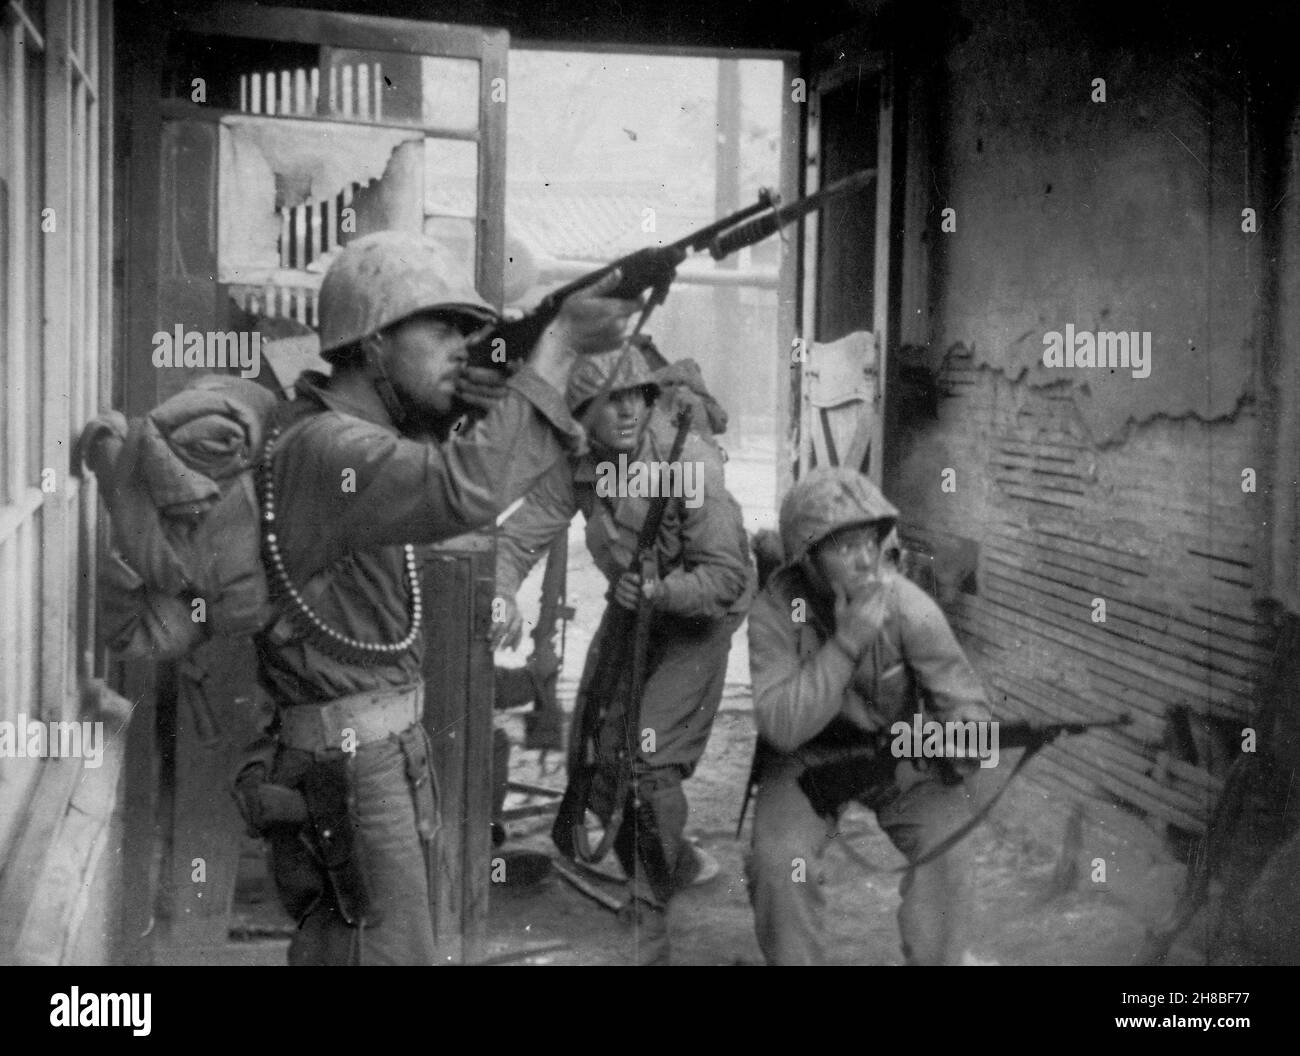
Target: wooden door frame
<point x="824" y="72"/>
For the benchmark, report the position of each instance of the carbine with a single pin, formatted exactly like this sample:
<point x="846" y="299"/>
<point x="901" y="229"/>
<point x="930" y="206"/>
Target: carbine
<point x="655" y="267"/>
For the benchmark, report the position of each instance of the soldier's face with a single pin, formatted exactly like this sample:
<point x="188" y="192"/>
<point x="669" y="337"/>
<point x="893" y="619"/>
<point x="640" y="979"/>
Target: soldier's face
<point x="850" y="558"/>
<point x="616" y="425"/>
<point x="424" y="357"/>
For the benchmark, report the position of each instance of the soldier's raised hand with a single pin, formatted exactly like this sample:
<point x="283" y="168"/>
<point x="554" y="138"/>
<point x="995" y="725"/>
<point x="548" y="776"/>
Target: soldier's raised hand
<point x="480" y="387"/>
<point x="860" y="611"/>
<point x="587" y="322"/>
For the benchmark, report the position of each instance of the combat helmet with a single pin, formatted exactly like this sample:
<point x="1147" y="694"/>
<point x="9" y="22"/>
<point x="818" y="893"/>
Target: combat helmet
<point x="589" y="376"/>
<point x="382" y="278"/>
<point x="828" y="500"/>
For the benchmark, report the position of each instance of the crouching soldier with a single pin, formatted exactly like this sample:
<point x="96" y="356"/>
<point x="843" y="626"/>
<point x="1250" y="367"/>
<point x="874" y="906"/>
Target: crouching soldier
<point x="698" y="599"/>
<point x="350" y="478"/>
<point x="841" y="648"/>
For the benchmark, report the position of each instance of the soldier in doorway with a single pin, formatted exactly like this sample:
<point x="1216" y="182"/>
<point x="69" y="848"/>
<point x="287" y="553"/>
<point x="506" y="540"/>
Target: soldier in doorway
<point x="351" y="478"/>
<point x="704" y="586"/>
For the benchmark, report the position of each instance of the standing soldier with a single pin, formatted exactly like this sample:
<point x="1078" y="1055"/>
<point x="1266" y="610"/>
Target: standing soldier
<point x="350" y="479"/>
<point x="704" y="586"/>
<point x="841" y="646"/>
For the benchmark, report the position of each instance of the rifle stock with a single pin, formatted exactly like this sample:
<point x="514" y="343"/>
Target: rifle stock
<point x="543" y="725"/>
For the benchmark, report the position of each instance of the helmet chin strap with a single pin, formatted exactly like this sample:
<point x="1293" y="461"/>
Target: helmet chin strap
<point x="383" y="386"/>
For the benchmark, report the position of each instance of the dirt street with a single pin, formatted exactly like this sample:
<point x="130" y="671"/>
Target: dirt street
<point x="1020" y="920"/>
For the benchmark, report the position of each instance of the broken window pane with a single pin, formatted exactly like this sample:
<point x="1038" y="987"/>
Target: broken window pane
<point x="450" y="177"/>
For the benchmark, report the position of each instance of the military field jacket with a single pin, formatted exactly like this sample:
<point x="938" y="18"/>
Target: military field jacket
<point x="703" y="552"/>
<point x="803" y="681"/>
<point x="350" y="491"/>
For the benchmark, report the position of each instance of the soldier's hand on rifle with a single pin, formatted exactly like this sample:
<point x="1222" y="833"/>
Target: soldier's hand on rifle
<point x="629" y="590"/>
<point x="588" y="322"/>
<point x="508" y="631"/>
<point x="967" y="763"/>
<point x="480" y="387"/>
<point x="860" y="614"/>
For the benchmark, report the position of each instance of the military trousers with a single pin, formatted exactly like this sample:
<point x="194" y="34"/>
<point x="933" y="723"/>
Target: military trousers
<point x="394" y="806"/>
<point x="915" y="810"/>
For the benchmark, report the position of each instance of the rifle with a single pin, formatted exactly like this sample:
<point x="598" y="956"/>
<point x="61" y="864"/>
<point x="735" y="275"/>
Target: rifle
<point x="836" y="774"/>
<point x="655" y="267"/>
<point x="623" y="630"/>
<point x="542" y="724"/>
<point x="1018" y="734"/>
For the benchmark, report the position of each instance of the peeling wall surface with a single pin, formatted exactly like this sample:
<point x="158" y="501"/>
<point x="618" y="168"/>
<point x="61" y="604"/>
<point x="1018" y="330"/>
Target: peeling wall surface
<point x="1122" y="215"/>
<point x="1041" y="525"/>
<point x="1074" y="486"/>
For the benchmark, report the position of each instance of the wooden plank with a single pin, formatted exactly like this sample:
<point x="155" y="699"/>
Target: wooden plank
<point x="808" y="233"/>
<point x="1074" y="776"/>
<point x="1105" y="535"/>
<point x="1039" y="693"/>
<point x="446" y="585"/>
<point x="1113" y="757"/>
<point x="787" y="310"/>
<point x="1022" y="539"/>
<point x="1191" y="656"/>
<point x="139" y="378"/>
<point x="1077" y="575"/>
<point x="340" y="30"/>
<point x="55" y="355"/>
<point x="915" y="324"/>
<point x="882" y="289"/>
<point x="203" y="113"/>
<point x="1014" y="613"/>
<point x="1169" y="668"/>
<point x="14" y="227"/>
<point x="491" y="168"/>
<point x="1025" y="553"/>
<point x="478" y="755"/>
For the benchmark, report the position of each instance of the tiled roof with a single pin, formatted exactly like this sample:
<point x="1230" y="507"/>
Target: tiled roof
<point x="594" y="223"/>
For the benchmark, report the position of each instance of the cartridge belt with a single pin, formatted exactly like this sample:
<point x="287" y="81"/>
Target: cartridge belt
<point x="371" y="716"/>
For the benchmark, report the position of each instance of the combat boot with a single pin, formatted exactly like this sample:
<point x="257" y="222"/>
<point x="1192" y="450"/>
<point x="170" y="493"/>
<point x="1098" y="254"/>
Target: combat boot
<point x="648" y="924"/>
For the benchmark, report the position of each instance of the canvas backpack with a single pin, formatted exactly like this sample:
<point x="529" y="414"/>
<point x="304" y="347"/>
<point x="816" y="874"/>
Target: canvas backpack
<point x="184" y="564"/>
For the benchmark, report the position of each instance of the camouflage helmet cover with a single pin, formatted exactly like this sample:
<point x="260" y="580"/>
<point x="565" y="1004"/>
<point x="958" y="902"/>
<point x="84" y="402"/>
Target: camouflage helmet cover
<point x="382" y="278"/>
<point x="825" y="501"/>
<point x="589" y="375"/>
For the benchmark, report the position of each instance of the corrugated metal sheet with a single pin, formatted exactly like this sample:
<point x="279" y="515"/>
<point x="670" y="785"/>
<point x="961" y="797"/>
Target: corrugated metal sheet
<point x="1157" y="526"/>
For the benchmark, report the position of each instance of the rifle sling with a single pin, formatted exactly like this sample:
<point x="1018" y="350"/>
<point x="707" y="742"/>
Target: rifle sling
<point x="966" y="828"/>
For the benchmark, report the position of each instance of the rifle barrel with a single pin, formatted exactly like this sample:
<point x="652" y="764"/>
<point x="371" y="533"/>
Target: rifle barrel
<point x="747" y="233"/>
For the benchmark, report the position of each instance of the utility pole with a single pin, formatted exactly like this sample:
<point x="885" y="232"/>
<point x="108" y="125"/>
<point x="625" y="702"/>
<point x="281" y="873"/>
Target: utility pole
<point x="729" y="359"/>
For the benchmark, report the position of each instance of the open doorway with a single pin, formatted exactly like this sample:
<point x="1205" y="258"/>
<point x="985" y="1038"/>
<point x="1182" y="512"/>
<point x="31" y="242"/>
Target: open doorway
<point x="609" y="152"/>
